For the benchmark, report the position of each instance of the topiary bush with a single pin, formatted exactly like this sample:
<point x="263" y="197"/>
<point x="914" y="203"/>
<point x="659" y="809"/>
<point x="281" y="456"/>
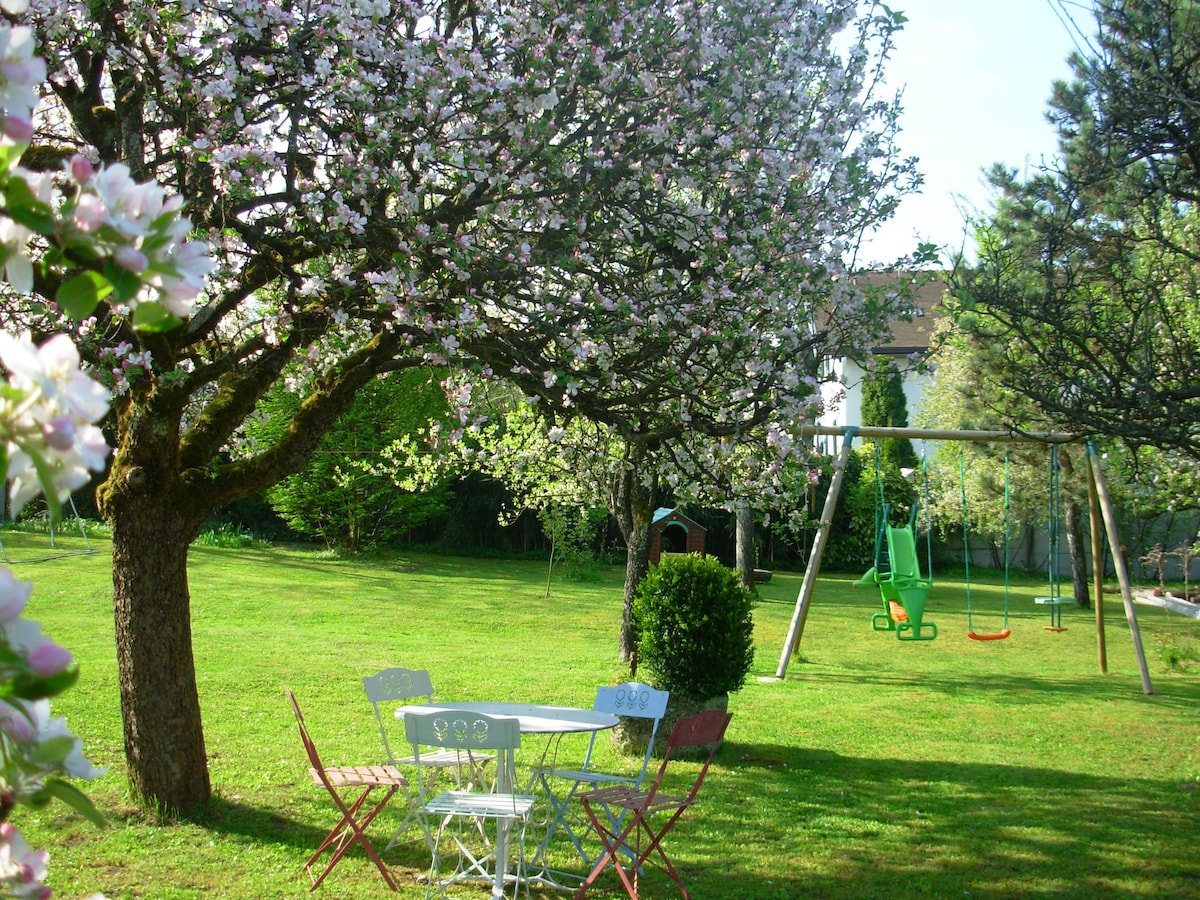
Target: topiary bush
<point x="694" y="625"/>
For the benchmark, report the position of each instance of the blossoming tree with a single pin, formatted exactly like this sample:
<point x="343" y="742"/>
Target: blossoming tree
<point x="638" y="211"/>
<point x="107" y="236"/>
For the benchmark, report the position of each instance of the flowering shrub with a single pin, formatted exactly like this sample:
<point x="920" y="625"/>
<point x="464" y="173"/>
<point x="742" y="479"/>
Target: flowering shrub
<point x="124" y="244"/>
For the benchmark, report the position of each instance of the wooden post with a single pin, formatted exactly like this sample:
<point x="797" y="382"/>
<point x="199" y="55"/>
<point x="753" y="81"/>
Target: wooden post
<point x="796" y="629"/>
<point x="1097" y="567"/>
<point x="1114" y="543"/>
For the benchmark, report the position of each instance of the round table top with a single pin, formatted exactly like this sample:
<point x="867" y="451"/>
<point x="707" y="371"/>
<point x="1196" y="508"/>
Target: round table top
<point x="534" y="718"/>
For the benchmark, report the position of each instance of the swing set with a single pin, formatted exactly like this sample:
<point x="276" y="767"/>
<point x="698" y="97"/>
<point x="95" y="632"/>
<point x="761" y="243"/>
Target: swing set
<point x="904" y="588"/>
<point x="897" y="568"/>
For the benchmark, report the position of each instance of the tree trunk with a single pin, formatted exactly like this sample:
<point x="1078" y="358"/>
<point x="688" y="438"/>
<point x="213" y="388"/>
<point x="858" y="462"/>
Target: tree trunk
<point x="632" y="505"/>
<point x="160" y="707"/>
<point x="1077" y="544"/>
<point x="154" y="518"/>
<point x="745" y="544"/>
<point x="637" y="564"/>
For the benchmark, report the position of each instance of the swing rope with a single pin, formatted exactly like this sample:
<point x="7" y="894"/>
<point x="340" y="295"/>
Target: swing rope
<point x="962" y="481"/>
<point x="1053" y="515"/>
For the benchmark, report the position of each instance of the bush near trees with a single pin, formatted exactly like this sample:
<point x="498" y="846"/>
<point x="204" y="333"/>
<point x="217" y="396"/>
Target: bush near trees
<point x="341" y="497"/>
<point x="695" y="628"/>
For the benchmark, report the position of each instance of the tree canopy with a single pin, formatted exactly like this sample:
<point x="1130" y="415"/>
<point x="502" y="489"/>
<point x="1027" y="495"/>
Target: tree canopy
<point x="636" y="211"/>
<point x="1086" y="284"/>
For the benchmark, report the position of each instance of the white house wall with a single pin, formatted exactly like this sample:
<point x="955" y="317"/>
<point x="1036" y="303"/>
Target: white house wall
<point x="843" y="400"/>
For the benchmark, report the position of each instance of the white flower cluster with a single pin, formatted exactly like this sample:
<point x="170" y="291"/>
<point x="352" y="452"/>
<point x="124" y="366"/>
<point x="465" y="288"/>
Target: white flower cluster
<point x="46" y="418"/>
<point x="49" y="441"/>
<point x="136" y="226"/>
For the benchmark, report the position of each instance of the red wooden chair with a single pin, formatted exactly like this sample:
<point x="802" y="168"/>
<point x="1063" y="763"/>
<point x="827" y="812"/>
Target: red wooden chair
<point x="351" y="828"/>
<point x="647" y="815"/>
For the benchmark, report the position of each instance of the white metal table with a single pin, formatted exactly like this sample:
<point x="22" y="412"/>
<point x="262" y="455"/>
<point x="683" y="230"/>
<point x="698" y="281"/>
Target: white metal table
<point x="532" y="718"/>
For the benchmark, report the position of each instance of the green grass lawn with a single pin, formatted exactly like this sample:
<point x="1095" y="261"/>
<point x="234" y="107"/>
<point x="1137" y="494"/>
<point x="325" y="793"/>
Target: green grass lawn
<point x="876" y="769"/>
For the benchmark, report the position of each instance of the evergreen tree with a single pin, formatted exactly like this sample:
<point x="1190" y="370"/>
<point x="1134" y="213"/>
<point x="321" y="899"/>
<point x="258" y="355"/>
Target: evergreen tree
<point x="884" y="404"/>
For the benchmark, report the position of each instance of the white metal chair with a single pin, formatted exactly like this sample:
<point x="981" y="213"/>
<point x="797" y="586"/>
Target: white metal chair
<point x="472" y="810"/>
<point x="396" y="686"/>
<point x="630" y="699"/>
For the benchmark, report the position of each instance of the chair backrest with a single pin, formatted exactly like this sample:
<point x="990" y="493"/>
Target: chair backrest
<point x="395" y="685"/>
<point x="704" y="729"/>
<point x="309" y="747"/>
<point x="631" y="699"/>
<point x="902" y="551"/>
<point x="458" y="730"/>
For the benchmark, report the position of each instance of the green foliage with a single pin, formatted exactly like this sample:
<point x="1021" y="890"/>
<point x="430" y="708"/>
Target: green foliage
<point x="694" y="626"/>
<point x="1178" y="650"/>
<point x="884" y="404"/>
<point x="572" y="533"/>
<point x="340" y="497"/>
<point x="851" y="534"/>
<point x="229" y="535"/>
<point x="1084" y="289"/>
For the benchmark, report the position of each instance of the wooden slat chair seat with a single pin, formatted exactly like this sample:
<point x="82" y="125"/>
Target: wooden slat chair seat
<point x="351" y="827"/>
<point x="646" y="816"/>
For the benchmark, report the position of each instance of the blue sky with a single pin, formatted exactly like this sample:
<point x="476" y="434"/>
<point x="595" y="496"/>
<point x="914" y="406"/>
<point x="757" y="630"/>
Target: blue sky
<point x="976" y="76"/>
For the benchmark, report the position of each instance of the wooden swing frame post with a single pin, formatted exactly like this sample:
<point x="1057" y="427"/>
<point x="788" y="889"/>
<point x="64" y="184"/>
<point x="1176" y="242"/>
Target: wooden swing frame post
<point x="1096" y="486"/>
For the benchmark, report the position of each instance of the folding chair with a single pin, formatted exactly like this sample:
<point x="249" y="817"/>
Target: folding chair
<point x="468" y="731"/>
<point x="352" y="826"/>
<point x="630" y="699"/>
<point x="397" y="685"/>
<point x="641" y="811"/>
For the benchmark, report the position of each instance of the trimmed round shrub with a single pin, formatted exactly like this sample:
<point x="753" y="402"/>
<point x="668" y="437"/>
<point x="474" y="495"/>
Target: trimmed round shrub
<point x="694" y="626"/>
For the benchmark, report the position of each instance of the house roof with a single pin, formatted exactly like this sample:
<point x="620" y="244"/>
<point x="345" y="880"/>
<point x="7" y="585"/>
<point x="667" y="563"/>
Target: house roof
<point x="915" y="336"/>
<point x="664" y="515"/>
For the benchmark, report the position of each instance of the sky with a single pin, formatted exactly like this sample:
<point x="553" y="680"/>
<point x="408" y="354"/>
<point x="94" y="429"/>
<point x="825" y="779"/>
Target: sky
<point x="976" y="75"/>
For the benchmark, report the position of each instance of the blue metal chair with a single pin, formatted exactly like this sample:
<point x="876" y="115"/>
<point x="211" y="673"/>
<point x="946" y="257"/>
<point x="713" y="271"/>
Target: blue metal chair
<point x="397" y="686"/>
<point x="631" y="699"/>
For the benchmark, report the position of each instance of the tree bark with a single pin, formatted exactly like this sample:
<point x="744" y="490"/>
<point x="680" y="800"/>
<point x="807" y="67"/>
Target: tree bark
<point x="745" y="543"/>
<point x="632" y="505"/>
<point x="1077" y="544"/>
<point x="153" y="524"/>
<point x="1077" y="541"/>
<point x="160" y="707"/>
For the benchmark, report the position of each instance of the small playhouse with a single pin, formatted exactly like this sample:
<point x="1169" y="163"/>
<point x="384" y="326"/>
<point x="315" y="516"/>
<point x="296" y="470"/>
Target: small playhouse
<point x="673" y="532"/>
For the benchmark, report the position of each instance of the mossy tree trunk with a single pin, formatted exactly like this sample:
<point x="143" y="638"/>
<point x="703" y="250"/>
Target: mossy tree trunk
<point x="632" y="504"/>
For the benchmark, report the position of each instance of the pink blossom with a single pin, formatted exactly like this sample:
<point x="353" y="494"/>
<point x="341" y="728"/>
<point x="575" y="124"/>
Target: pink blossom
<point x="81" y="168"/>
<point x="20" y="71"/>
<point x="21" y="868"/>
<point x="15" y="723"/>
<point x="18" y="129"/>
<point x="49" y="659"/>
<point x="14" y="595"/>
<point x="89" y="213"/>
<point x="131" y="259"/>
<point x="59" y="433"/>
